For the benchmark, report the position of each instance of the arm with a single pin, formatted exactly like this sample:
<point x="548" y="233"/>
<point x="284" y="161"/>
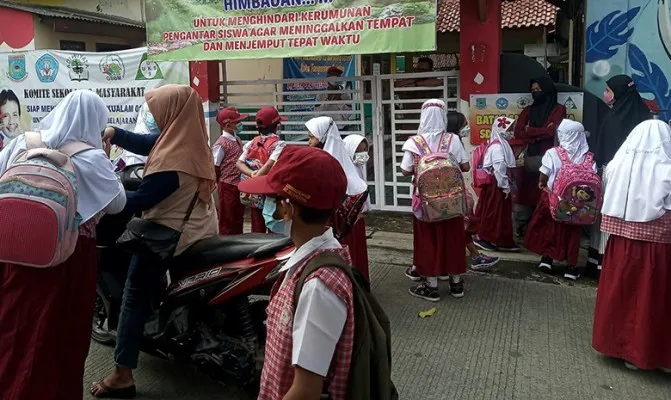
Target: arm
<point x="543" y="181"/>
<point x="218" y="155"/>
<point x="465" y="167"/>
<point x="135" y="143"/>
<point x="550" y="128"/>
<point x="154" y="189"/>
<point x="501" y="174"/>
<point x="407" y="164"/>
<point x="265" y="169"/>
<point x="306" y="386"/>
<point x="118" y="203"/>
<point x="244" y="168"/>
<point x="521" y="124"/>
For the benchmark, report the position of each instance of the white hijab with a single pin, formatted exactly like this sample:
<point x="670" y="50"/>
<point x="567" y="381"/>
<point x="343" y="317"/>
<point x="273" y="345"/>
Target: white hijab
<point x="639" y="176"/>
<point x="572" y="138"/>
<point x="80" y="117"/>
<point x="432" y="125"/>
<point x="503" y="153"/>
<point x="140" y="127"/>
<point x="326" y="131"/>
<point x="352" y="143"/>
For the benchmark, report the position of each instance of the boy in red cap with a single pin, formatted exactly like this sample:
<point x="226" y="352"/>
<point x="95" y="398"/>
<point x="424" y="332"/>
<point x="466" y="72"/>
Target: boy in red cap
<point x="226" y="151"/>
<point x="259" y="155"/>
<point x="309" y="348"/>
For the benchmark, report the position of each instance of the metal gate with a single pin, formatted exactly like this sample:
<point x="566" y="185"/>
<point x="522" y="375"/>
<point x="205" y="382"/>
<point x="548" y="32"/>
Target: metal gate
<point x="374" y="106"/>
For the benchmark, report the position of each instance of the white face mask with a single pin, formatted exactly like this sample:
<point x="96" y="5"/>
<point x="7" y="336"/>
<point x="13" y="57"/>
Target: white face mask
<point x="507" y="135"/>
<point x="465" y="131"/>
<point x="361" y="158"/>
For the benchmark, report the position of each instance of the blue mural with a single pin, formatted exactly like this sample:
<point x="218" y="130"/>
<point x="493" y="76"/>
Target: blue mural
<point x="630" y="37"/>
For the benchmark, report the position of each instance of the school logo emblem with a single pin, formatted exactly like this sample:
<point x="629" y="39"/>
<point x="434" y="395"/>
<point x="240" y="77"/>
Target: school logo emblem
<point x="16" y="70"/>
<point x="113" y="68"/>
<point x="480" y="103"/>
<point x="522" y="102"/>
<point x="79" y="68"/>
<point x="148" y="70"/>
<point x="501" y="103"/>
<point x="570" y="104"/>
<point x="46" y="68"/>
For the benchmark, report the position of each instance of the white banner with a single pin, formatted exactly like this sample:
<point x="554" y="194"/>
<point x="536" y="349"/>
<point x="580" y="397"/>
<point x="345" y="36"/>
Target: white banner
<point x="33" y="82"/>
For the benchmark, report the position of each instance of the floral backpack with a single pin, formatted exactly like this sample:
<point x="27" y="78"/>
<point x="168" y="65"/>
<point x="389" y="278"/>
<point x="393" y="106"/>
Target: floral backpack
<point x="439" y="184"/>
<point x="577" y="193"/>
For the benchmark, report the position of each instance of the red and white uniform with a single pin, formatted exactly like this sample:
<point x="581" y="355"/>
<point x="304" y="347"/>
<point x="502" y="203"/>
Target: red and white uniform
<point x="226" y="152"/>
<point x="318" y="335"/>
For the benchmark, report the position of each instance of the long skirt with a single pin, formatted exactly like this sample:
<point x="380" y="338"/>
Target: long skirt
<point x="633" y="303"/>
<point x="494" y="217"/>
<point x="438" y="247"/>
<point x="358" y="247"/>
<point x="231" y="210"/>
<point x="552" y="239"/>
<point x="45" y="326"/>
<point x="258" y="223"/>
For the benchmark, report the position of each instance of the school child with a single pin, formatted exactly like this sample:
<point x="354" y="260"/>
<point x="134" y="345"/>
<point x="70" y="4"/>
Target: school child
<point x="553" y="240"/>
<point x="309" y="347"/>
<point x="493" y="215"/>
<point x="457" y="123"/>
<point x="439" y="246"/>
<point x="323" y="133"/>
<point x="260" y="154"/>
<point x="226" y="152"/>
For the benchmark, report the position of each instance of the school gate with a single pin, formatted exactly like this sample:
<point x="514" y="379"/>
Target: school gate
<point x="376" y="106"/>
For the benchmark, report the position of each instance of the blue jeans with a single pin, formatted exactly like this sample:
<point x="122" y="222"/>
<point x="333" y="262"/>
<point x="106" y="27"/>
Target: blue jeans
<point x="145" y="277"/>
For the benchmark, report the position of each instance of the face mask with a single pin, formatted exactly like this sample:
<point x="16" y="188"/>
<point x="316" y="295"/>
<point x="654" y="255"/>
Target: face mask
<point x="238" y="129"/>
<point x="609" y="97"/>
<point x="538" y="96"/>
<point x="361" y="158"/>
<point x="151" y="123"/>
<point x="507" y="135"/>
<point x="275" y="225"/>
<point x="465" y="131"/>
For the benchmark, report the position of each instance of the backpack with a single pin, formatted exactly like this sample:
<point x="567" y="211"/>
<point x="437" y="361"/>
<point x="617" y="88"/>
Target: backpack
<point x="38" y="205"/>
<point x="258" y="155"/>
<point x="370" y="367"/>
<point x="577" y="193"/>
<point x="480" y="177"/>
<point x="348" y="214"/>
<point x="439" y="184"/>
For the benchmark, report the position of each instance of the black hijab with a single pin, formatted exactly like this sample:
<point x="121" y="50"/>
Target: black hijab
<point x="628" y="111"/>
<point x="543" y="106"/>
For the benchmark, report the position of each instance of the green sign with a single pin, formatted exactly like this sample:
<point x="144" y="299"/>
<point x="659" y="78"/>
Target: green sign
<point x="179" y="30"/>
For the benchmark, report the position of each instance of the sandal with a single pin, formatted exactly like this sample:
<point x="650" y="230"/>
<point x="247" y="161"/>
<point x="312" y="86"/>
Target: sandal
<point x="108" y="393"/>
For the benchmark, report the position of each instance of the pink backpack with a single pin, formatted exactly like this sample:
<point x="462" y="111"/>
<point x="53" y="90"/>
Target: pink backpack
<point x="577" y="193"/>
<point x="38" y="205"/>
<point x="439" y="185"/>
<point x="480" y="177"/>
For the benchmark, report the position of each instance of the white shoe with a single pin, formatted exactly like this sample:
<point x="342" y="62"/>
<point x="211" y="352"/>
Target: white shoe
<point x="630" y="366"/>
<point x="545" y="266"/>
<point x="666" y="370"/>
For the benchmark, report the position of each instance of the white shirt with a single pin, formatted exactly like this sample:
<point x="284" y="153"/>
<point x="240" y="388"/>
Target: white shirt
<point x="551" y="164"/>
<point x="218" y="151"/>
<point x="320" y="314"/>
<point x="456" y="149"/>
<point x="273" y="156"/>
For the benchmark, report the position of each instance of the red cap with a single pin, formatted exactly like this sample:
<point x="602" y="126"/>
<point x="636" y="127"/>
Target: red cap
<point x="306" y="175"/>
<point x="230" y="115"/>
<point x="268" y="116"/>
<point x="334" y="70"/>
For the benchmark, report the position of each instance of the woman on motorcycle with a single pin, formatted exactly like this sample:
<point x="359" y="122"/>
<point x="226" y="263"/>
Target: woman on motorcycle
<point x="179" y="168"/>
<point x="45" y="313"/>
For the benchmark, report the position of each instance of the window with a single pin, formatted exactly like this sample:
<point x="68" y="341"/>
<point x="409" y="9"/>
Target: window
<point x="104" y="47"/>
<point x="71" y="45"/>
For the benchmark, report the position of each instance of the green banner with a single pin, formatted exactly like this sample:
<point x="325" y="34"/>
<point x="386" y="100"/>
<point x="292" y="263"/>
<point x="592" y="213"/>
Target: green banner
<point x="189" y="30"/>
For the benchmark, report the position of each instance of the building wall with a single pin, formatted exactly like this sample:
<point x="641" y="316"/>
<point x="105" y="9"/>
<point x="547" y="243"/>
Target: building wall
<point x="131" y="9"/>
<point x="46" y="38"/>
<point x="249" y="70"/>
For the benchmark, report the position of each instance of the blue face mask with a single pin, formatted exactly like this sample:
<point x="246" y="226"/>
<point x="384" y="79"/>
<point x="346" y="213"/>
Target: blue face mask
<point x="275" y="225"/>
<point x="151" y="123"/>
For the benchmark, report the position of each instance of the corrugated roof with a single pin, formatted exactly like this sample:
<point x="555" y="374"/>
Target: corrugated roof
<point x="514" y="14"/>
<point x="68" y="13"/>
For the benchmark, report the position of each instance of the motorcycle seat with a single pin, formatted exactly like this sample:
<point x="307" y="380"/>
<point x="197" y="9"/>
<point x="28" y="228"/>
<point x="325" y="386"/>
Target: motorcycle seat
<point x="223" y="249"/>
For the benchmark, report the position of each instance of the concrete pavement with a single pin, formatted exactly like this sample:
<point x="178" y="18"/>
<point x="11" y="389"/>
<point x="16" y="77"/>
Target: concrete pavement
<point x="507" y="339"/>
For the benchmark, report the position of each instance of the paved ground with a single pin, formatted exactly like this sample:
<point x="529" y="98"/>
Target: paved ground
<point x="507" y="339"/>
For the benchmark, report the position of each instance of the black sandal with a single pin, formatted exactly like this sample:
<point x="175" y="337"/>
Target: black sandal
<point x="108" y="393"/>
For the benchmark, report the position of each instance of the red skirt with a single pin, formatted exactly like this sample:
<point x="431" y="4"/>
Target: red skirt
<point x="439" y="247"/>
<point x="549" y="238"/>
<point x="231" y="210"/>
<point x="493" y="219"/>
<point x="45" y="326"/>
<point x="633" y="303"/>
<point x="358" y="247"/>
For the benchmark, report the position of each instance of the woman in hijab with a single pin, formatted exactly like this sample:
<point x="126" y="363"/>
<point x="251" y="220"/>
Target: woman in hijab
<point x="536" y="127"/>
<point x="555" y="241"/>
<point x="438" y="247"/>
<point x="45" y="313"/>
<point x="323" y="133"/>
<point x="633" y="303"/>
<point x="178" y="170"/>
<point x="628" y="110"/>
<point x="493" y="214"/>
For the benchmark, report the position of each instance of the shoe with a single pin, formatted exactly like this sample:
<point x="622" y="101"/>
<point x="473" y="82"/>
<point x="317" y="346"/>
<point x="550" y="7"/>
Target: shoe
<point x="412" y="275"/>
<point x="456" y="288"/>
<point x="424" y="291"/>
<point x="666" y="370"/>
<point x="520" y="231"/>
<point x="483" y="262"/>
<point x="545" y="264"/>
<point x="572" y="273"/>
<point x="444" y="278"/>
<point x="630" y="366"/>
<point x="484" y="245"/>
<point x="507" y="248"/>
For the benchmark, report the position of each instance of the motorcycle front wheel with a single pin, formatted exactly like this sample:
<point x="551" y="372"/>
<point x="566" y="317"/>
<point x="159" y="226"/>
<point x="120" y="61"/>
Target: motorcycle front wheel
<point x="100" y="329"/>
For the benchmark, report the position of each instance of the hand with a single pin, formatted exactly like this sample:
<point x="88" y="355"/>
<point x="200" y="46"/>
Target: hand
<point x="255" y="173"/>
<point x="542" y="186"/>
<point x="506" y="195"/>
<point x="107" y="148"/>
<point x="519" y="162"/>
<point x="551" y="124"/>
<point x="108" y="134"/>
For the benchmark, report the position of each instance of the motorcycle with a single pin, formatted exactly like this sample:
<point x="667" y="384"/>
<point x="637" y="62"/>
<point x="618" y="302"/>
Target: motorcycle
<point x="212" y="311"/>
